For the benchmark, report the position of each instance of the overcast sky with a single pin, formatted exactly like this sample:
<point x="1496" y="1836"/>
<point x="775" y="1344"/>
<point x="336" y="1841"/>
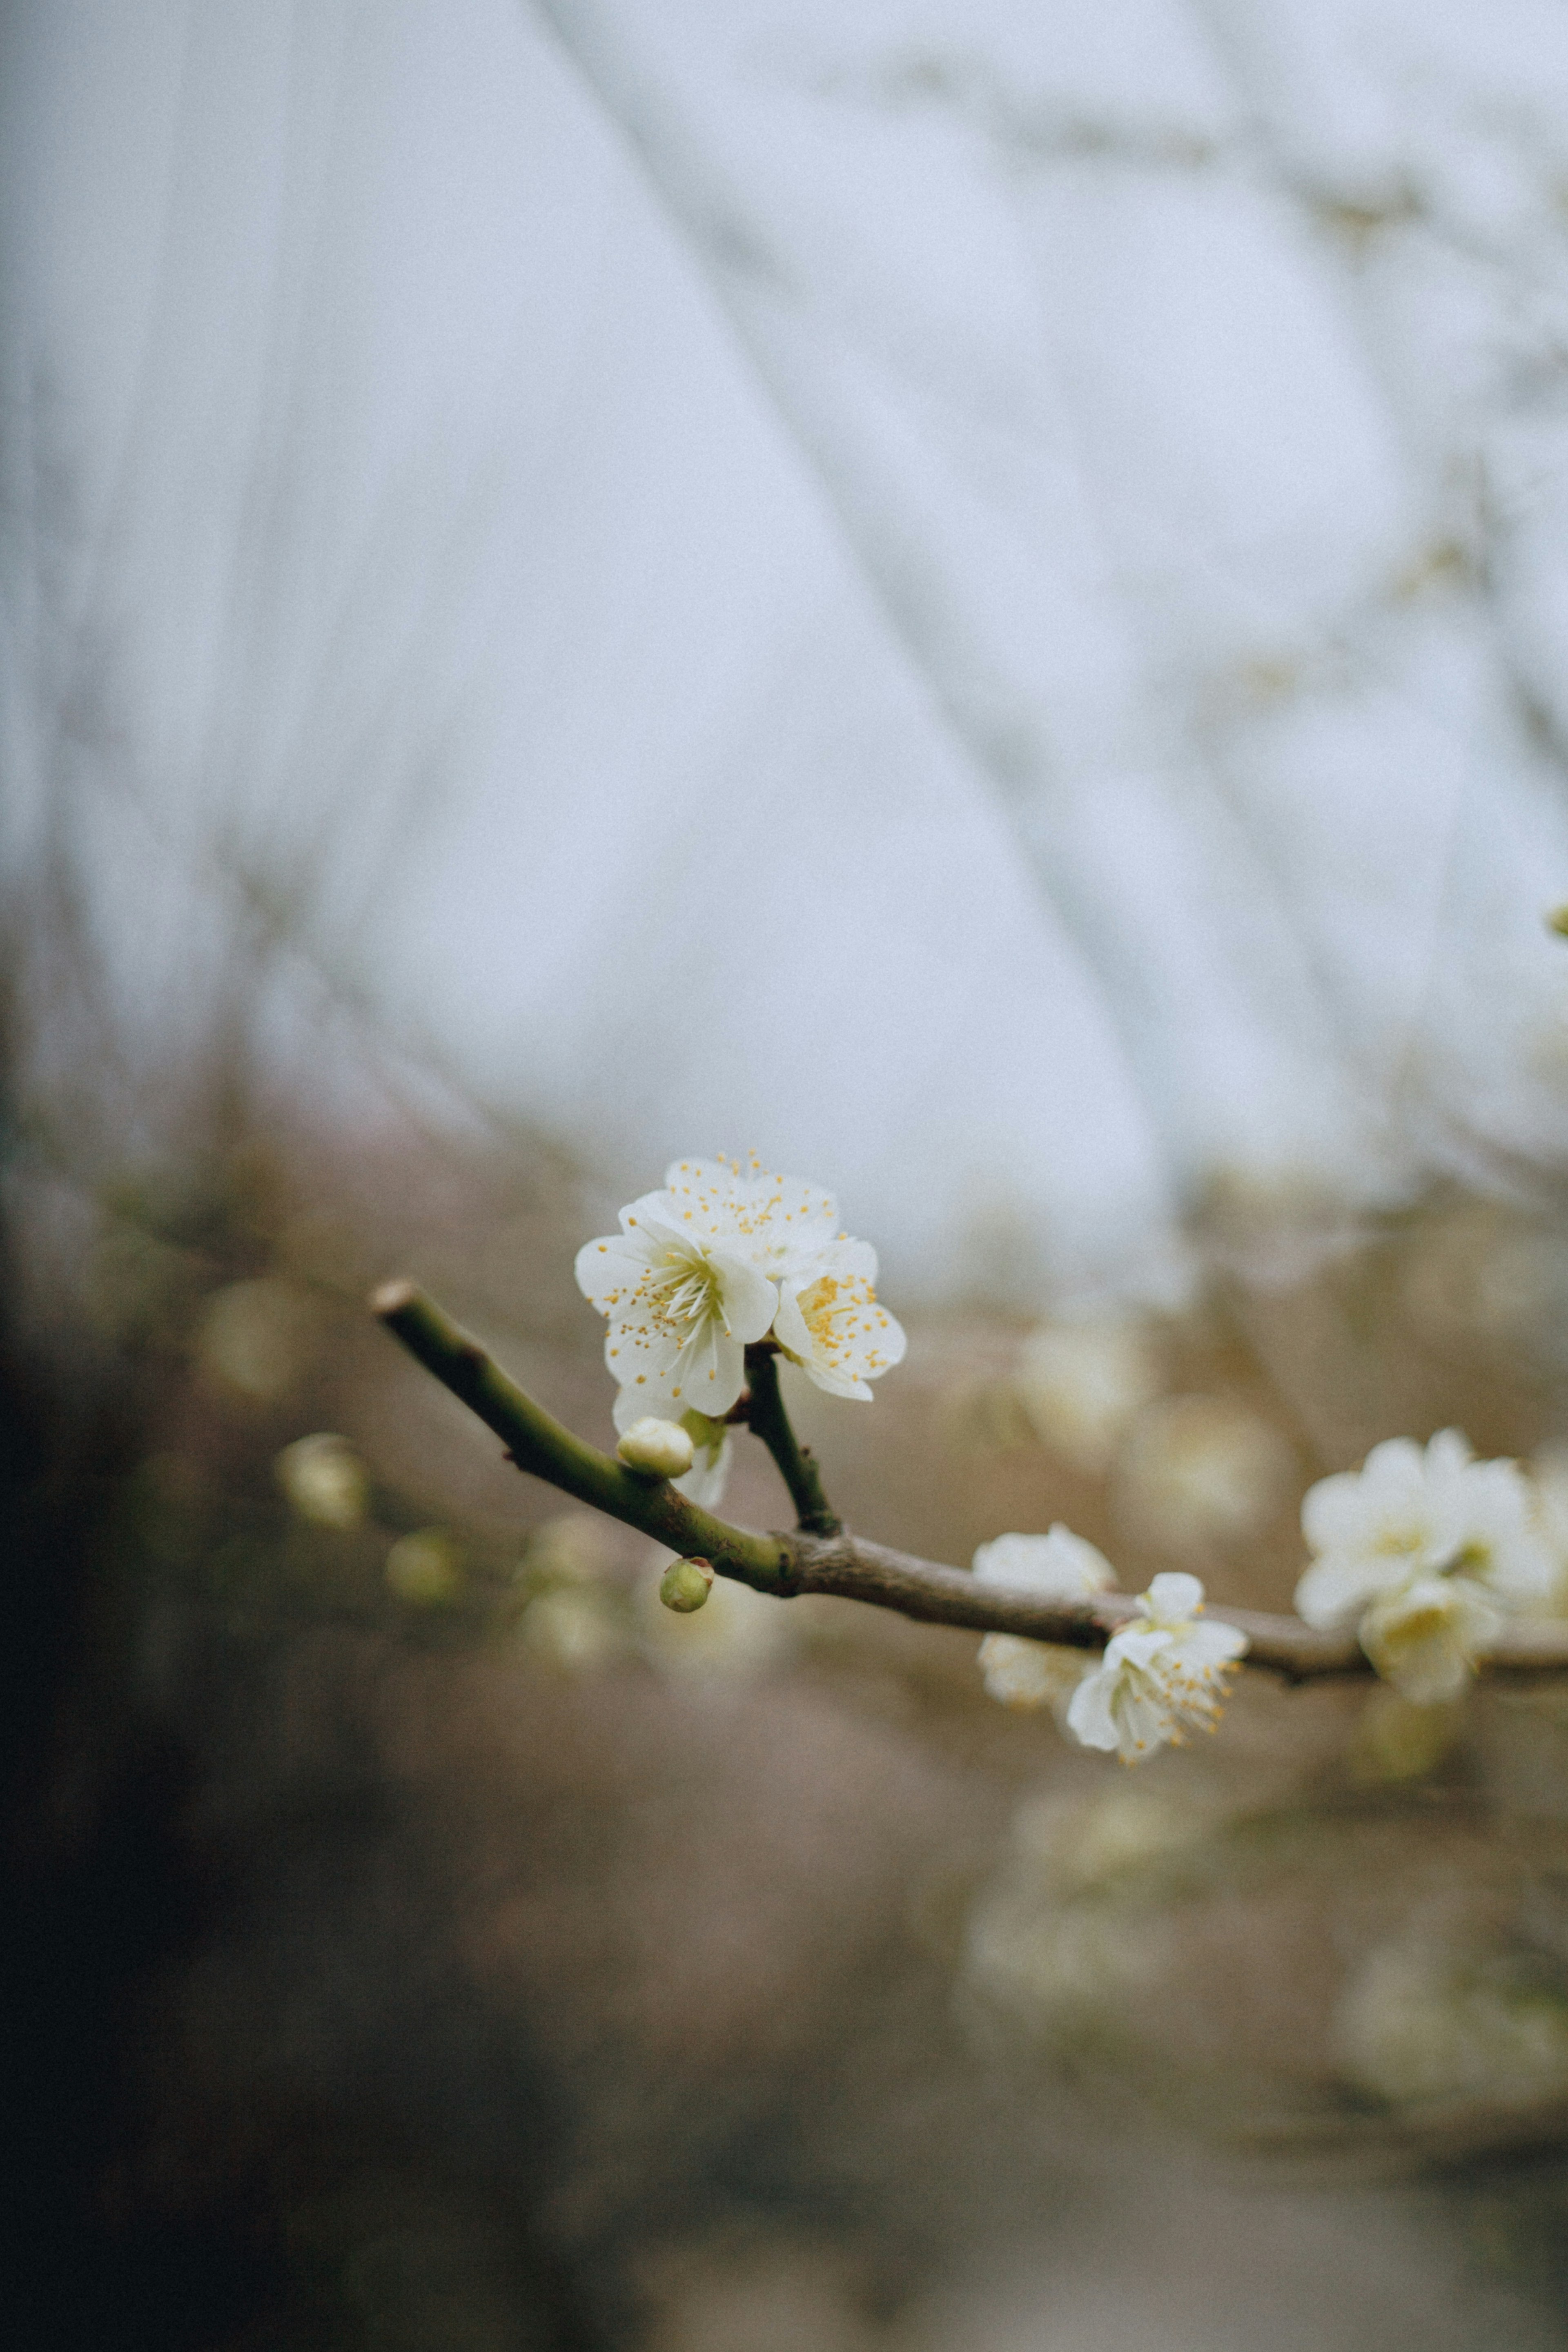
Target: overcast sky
<point x="972" y="596"/>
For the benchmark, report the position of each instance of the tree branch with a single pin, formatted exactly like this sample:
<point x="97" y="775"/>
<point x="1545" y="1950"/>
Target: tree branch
<point x="768" y="1420"/>
<point x="840" y="1563"/>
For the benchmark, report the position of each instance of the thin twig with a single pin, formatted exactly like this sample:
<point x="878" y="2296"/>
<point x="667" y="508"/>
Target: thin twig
<point x="841" y="1563"/>
<point x="797" y="1467"/>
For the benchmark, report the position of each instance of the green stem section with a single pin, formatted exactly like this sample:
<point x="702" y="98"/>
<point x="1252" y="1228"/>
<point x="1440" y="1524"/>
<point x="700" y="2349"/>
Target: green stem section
<point x="814" y="1516"/>
<point x="538" y="1444"/>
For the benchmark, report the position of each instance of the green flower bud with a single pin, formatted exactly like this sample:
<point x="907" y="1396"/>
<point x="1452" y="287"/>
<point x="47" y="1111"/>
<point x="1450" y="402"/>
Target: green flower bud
<point x="426" y="1569"/>
<point x="655" y="1449"/>
<point x="684" y="1585"/>
<point x="325" y="1480"/>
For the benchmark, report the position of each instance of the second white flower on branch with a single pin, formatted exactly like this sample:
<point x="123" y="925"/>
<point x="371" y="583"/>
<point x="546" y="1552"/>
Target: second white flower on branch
<point x="1164" y="1675"/>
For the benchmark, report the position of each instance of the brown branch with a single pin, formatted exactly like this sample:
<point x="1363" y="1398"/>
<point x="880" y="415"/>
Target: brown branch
<point x="843" y="1564"/>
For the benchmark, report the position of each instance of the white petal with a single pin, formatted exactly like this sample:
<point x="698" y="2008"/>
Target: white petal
<point x="1208" y="1645"/>
<point x="705" y="1482"/>
<point x="748" y="1298"/>
<point x="609" y="1269"/>
<point x="1333" y="1592"/>
<point x="1447" y="1454"/>
<point x="1058" y="1565"/>
<point x="1425" y="1638"/>
<point x="709" y="1374"/>
<point x="1089" y="1718"/>
<point x="1333" y="1512"/>
<point x="1172" y="1597"/>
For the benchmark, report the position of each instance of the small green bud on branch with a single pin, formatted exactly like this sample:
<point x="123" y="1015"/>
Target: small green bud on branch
<point x="684" y="1585"/>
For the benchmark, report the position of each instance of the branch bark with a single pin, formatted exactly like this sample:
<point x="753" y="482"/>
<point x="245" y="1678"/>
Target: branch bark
<point x="844" y="1564"/>
<point x="814" y="1515"/>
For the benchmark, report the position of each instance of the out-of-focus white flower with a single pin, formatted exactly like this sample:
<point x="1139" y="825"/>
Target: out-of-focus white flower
<point x="1200" y="1470"/>
<point x="683" y="1297"/>
<point x="257" y="1337"/>
<point x="1424" y="1636"/>
<point x="1550" y="1478"/>
<point x="1162" y="1675"/>
<point x="655" y="1449"/>
<point x="1420" y="2020"/>
<point x="426" y="1569"/>
<point x="1423" y="1550"/>
<point x="1022" y="1673"/>
<point x="573" y="1628"/>
<point x="1082" y="1385"/>
<point x="1059" y="1566"/>
<point x="1411" y="1512"/>
<point x="325" y="1480"/>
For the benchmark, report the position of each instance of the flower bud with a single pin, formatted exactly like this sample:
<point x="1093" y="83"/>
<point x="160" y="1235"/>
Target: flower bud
<point x="324" y="1479"/>
<point x="684" y="1585"/>
<point x="426" y="1569"/>
<point x="656" y="1449"/>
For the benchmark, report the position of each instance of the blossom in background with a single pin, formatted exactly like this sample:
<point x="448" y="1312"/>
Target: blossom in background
<point x="726" y="1254"/>
<point x="1549" y="1480"/>
<point x="1389" y="1539"/>
<point x="1424" y="1636"/>
<point x="1162" y="1675"/>
<point x="1059" y="1566"/>
<point x="683" y="1298"/>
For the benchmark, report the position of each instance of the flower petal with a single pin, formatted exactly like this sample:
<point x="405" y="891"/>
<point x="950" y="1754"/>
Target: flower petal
<point x="1058" y="1565"/>
<point x="747" y="1298"/>
<point x="1333" y="1592"/>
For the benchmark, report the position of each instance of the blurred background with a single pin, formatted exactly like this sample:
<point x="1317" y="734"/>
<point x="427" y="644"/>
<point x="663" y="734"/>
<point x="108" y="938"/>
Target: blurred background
<point x="974" y="598"/>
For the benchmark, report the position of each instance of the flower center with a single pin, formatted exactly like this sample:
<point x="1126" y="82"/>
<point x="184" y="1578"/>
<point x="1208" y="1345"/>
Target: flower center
<point x="681" y="1292"/>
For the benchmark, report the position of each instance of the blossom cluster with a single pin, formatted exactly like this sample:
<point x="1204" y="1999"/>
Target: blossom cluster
<point x="1422" y="1552"/>
<point x="726" y="1254"/>
<point x="1162" y="1675"/>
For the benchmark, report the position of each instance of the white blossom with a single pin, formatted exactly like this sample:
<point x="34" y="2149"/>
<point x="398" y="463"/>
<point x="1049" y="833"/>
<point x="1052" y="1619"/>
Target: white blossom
<point x="1422" y="1551"/>
<point x="1057" y="1566"/>
<point x="722" y="1256"/>
<point x="1162" y="1675"/>
<point x="829" y="1320"/>
<point x="1425" y="1636"/>
<point x="684" y="1298"/>
<point x="831" y="1323"/>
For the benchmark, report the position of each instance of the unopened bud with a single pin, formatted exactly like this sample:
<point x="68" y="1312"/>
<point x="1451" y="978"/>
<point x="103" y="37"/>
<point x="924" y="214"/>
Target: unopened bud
<point x="684" y="1585"/>
<point x="324" y="1479"/>
<point x="656" y="1449"/>
<point x="426" y="1569"/>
